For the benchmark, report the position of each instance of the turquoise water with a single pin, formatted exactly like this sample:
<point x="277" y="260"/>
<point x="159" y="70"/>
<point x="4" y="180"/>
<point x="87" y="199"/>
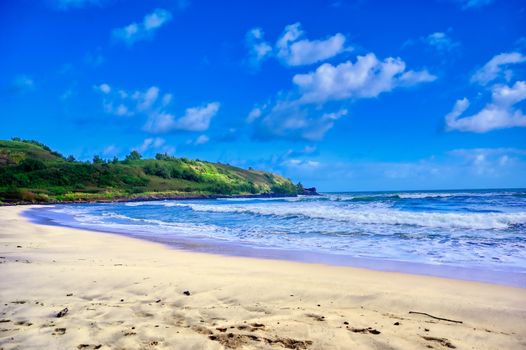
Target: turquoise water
<point x="465" y="233"/>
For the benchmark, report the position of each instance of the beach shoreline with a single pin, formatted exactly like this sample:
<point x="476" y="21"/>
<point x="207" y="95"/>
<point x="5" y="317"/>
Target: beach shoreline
<point x="226" y="248"/>
<point x="122" y="292"/>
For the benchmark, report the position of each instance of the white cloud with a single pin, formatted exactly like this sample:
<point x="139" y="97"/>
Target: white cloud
<point x="197" y="118"/>
<point x="120" y="110"/>
<point x="366" y="78"/>
<point x="294" y="121"/>
<point x="150" y="143"/>
<point x="153" y="104"/>
<point x="148" y="98"/>
<point x="110" y="150"/>
<point x="489" y="161"/>
<point x="412" y="77"/>
<point x="104" y="88"/>
<point x="493" y="69"/>
<point x="135" y="32"/>
<point x="500" y="113"/>
<point x="292" y="49"/>
<point x="258" y="49"/>
<point x="441" y="42"/>
<point x="201" y="139"/>
<point x="254" y="114"/>
<point x="194" y="119"/>
<point x="124" y="103"/>
<point x="299" y="114"/>
<point x="301" y="164"/>
<point x="324" y="124"/>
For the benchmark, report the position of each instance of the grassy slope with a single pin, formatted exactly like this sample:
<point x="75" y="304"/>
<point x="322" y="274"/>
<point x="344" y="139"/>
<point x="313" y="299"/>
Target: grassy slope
<point x="31" y="172"/>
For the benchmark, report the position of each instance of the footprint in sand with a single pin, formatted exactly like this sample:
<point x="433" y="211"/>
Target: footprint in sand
<point x="59" y="331"/>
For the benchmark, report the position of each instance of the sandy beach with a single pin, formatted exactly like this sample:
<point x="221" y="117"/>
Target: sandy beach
<point x="115" y="292"/>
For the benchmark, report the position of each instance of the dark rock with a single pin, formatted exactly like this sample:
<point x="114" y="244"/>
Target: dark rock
<point x="310" y="191"/>
<point x="187" y="293"/>
<point x="62" y="312"/>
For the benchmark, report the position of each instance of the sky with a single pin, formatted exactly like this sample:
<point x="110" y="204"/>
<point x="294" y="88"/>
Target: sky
<point x="344" y="95"/>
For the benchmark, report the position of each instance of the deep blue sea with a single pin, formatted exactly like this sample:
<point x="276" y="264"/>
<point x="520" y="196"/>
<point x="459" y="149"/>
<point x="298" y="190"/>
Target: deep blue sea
<point x="478" y="235"/>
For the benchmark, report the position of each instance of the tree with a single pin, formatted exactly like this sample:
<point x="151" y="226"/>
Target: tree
<point x="115" y="160"/>
<point x="163" y="156"/>
<point x="134" y="155"/>
<point x="299" y="187"/>
<point x="97" y="159"/>
<point x="70" y="159"/>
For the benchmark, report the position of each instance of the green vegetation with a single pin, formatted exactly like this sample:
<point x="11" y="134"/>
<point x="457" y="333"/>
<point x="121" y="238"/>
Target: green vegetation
<point x="31" y="172"/>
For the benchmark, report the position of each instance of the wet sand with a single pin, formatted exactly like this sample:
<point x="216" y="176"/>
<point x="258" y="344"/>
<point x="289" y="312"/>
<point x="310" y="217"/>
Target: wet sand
<point x="114" y="292"/>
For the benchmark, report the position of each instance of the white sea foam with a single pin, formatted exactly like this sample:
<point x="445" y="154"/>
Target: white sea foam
<point x="386" y="216"/>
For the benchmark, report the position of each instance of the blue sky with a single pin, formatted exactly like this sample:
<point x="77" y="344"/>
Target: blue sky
<point x="342" y="95"/>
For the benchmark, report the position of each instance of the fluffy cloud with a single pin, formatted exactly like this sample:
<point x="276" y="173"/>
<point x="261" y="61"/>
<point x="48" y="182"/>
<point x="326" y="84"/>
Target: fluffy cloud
<point x="441" y="41"/>
<point x="194" y="119"/>
<point x="104" y="88"/>
<point x="125" y="103"/>
<point x="500" y="113"/>
<point x="496" y="67"/>
<point x="135" y="32"/>
<point x="154" y="105"/>
<point x="295" y="51"/>
<point x="367" y="77"/>
<point x="258" y="49"/>
<point x="295" y="121"/>
<point x="200" y="140"/>
<point x="292" y="48"/>
<point x="299" y="114"/>
<point x="150" y="143"/>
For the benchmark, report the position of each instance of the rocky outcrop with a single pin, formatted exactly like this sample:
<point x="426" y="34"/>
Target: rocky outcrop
<point x="310" y="191"/>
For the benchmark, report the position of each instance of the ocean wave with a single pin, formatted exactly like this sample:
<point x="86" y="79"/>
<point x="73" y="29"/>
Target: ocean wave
<point x="414" y="195"/>
<point x="383" y="216"/>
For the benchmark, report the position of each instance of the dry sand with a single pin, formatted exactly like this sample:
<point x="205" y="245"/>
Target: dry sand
<point x="123" y="293"/>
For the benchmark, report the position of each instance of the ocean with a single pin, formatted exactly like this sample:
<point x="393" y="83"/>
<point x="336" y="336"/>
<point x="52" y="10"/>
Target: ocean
<point x="474" y="235"/>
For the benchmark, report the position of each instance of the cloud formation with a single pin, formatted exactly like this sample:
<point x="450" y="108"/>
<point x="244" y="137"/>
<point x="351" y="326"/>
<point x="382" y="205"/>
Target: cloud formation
<point x="499" y="113"/>
<point x="441" y="42"/>
<point x="154" y="105"/>
<point x="292" y="48"/>
<point x="194" y="119"/>
<point x="126" y="103"/>
<point x="497" y="67"/>
<point x="199" y="140"/>
<point x="150" y="143"/>
<point x="294" y="121"/>
<point x="300" y="114"/>
<point x="367" y="77"/>
<point x="145" y="30"/>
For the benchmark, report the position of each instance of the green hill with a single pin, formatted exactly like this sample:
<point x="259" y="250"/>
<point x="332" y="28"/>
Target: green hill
<point x="32" y="172"/>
